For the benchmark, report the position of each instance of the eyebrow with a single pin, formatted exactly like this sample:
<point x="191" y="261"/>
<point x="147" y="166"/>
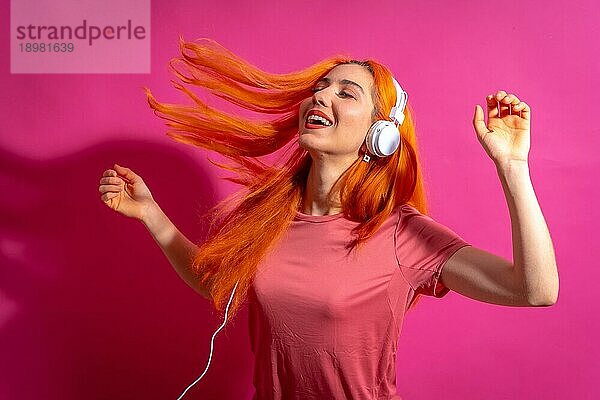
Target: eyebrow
<point x="343" y="81"/>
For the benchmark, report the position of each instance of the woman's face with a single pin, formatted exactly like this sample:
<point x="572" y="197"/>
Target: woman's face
<point x="343" y="97"/>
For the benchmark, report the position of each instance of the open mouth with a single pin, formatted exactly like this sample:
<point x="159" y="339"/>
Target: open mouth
<point x="317" y="120"/>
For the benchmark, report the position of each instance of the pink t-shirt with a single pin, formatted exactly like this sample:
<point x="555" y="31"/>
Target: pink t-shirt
<point x="325" y="324"/>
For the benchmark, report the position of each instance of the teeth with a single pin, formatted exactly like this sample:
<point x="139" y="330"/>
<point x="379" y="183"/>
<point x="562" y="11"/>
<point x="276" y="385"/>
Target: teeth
<point x="318" y="118"/>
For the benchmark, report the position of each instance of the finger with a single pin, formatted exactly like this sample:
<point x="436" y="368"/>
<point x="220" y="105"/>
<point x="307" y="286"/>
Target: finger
<point x="500" y="95"/>
<point x="505" y="105"/>
<point x="524" y="110"/>
<point x="505" y="101"/>
<point x="492" y="106"/>
<point x="107" y="196"/>
<point x="111" y="180"/>
<point x="128" y="174"/>
<point x="110" y="172"/>
<point x="478" y="122"/>
<point x="511" y="99"/>
<point x="508" y="99"/>
<point x="109" y="189"/>
<point x="520" y="106"/>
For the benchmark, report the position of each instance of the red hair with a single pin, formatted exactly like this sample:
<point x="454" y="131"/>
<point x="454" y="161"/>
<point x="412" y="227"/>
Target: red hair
<point x="247" y="224"/>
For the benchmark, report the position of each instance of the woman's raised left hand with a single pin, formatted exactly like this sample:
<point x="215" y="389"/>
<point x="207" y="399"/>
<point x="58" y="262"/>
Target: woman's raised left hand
<point x="506" y="137"/>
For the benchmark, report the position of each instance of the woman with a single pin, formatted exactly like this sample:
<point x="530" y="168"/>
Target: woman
<point x="332" y="248"/>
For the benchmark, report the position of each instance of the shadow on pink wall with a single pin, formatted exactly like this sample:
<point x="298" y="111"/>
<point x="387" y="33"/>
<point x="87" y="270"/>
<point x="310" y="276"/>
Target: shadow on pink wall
<point x="89" y="305"/>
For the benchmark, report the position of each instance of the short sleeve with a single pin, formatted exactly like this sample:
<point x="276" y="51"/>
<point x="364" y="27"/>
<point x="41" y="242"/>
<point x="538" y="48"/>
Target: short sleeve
<point x="422" y="247"/>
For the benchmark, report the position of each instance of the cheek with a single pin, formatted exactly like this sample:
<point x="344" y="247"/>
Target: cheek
<point x="357" y="119"/>
<point x="354" y="111"/>
<point x="304" y="106"/>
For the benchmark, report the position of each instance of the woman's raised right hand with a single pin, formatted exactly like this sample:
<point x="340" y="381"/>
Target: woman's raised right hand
<point x="124" y="191"/>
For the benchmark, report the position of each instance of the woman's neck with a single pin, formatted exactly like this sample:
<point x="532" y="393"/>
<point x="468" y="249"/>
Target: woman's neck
<point x="318" y="196"/>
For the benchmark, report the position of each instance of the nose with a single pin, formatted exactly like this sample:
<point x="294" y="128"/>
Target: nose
<point x="321" y="97"/>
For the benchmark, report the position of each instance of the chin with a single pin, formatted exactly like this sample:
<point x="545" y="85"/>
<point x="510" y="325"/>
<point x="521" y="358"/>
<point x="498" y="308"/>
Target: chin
<point x="307" y="142"/>
<point x="304" y="142"/>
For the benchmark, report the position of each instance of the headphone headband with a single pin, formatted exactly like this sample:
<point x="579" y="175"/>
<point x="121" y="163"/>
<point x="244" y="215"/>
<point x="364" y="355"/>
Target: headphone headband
<point x="397" y="112"/>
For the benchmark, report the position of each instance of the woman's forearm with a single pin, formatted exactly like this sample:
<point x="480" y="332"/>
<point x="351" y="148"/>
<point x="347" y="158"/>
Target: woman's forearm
<point x="178" y="249"/>
<point x="533" y="252"/>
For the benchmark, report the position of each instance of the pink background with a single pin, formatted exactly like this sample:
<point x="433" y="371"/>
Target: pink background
<point x="89" y="306"/>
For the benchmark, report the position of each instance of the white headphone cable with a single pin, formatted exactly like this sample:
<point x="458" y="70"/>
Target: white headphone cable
<point x="211" y="343"/>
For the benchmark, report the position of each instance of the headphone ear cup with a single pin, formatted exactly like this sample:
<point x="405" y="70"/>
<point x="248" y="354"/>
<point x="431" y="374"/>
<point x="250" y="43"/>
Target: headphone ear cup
<point x="383" y="138"/>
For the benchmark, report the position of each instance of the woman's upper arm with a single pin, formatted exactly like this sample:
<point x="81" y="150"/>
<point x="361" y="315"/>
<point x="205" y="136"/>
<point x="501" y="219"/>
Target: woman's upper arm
<point x="483" y="276"/>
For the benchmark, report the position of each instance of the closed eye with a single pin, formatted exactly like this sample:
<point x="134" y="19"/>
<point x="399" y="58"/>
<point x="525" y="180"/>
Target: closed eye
<point x="345" y="94"/>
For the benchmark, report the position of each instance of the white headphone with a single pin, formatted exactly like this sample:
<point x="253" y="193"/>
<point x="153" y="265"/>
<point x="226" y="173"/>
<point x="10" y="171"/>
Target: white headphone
<point x="383" y="137"/>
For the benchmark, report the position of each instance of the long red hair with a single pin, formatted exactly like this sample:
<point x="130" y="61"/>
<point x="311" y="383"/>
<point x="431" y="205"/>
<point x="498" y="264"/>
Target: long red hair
<point x="247" y="224"/>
